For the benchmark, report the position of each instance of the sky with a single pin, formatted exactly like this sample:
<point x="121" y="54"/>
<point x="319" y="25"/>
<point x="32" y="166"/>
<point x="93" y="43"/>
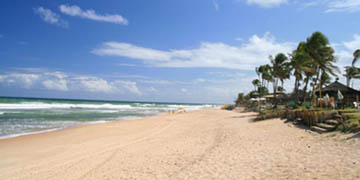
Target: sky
<point x="202" y="51"/>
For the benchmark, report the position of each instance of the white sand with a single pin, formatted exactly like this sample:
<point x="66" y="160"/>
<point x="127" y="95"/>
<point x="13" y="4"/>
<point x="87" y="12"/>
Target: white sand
<point x="205" y="144"/>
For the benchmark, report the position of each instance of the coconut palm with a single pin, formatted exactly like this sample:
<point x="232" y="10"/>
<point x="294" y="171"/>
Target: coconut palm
<point x="322" y="54"/>
<point x="300" y="63"/>
<point x="319" y="50"/>
<point x="356" y="56"/>
<point x="256" y="83"/>
<point x="264" y="72"/>
<point x="325" y="78"/>
<point x="280" y="70"/>
<point x="268" y="75"/>
<point x="350" y="73"/>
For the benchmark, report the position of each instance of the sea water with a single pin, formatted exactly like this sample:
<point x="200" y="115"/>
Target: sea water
<point x="22" y="116"/>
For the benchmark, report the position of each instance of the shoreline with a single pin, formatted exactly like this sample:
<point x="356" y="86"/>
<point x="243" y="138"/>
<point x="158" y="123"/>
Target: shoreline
<point x="11" y="136"/>
<point x="201" y="144"/>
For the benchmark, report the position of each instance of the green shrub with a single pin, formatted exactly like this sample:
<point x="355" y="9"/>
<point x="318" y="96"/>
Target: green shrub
<point x="228" y="107"/>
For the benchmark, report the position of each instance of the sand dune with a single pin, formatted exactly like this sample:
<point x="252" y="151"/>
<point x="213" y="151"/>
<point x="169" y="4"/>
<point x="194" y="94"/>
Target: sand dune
<point x="205" y="144"/>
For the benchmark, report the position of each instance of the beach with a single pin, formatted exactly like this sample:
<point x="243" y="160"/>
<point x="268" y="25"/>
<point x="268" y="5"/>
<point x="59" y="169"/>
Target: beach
<point x="201" y="144"/>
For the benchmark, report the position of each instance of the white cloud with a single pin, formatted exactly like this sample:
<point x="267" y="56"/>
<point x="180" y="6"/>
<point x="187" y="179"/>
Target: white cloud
<point x="344" y="6"/>
<point x="132" y="51"/>
<point x="19" y="79"/>
<point x="30" y="78"/>
<point x="50" y="17"/>
<point x="267" y="3"/>
<point x="354" y="44"/>
<point x="55" y="81"/>
<point x="91" y="14"/>
<point x="128" y="85"/>
<point x="216" y="55"/>
<point x="56" y="74"/>
<point x="344" y="51"/>
<point x="95" y="84"/>
<point x="60" y="85"/>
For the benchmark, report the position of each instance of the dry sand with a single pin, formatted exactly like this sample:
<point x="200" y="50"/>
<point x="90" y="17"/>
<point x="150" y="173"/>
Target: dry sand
<point x="206" y="144"/>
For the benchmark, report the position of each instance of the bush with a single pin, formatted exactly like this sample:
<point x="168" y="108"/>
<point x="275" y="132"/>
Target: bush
<point x="228" y="107"/>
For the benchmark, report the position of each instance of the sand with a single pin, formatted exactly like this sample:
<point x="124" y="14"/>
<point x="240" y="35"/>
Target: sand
<point x="205" y="144"/>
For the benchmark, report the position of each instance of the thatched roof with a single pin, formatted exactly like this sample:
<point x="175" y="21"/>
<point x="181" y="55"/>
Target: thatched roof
<point x="335" y="86"/>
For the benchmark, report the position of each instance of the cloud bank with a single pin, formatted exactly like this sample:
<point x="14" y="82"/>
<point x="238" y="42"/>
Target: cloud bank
<point x="60" y="81"/>
<point x="215" y="55"/>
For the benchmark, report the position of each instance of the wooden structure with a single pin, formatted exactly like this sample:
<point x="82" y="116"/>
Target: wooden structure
<point x="350" y="94"/>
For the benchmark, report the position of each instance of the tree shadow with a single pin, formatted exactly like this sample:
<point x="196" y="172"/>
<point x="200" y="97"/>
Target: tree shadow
<point x="245" y="116"/>
<point x="354" y="136"/>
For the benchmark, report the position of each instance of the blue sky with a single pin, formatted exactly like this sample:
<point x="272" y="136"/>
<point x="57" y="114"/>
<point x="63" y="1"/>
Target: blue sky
<point x="175" y="51"/>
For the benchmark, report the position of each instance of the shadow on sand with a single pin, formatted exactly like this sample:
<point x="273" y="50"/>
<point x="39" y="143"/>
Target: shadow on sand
<point x="354" y="136"/>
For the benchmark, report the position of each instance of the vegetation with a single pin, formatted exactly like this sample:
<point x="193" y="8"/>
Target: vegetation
<point x="352" y="123"/>
<point x="228" y="107"/>
<point x="280" y="70"/>
<point x="311" y="63"/>
<point x="356" y="56"/>
<point x="240" y="99"/>
<point x="351" y="72"/>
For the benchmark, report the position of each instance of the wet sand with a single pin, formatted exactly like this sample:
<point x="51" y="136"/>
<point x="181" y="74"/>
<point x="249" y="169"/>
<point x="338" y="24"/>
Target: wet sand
<point x="205" y="144"/>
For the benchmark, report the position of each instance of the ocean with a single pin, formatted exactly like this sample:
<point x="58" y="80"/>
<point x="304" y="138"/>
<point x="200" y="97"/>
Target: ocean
<point x="23" y="116"/>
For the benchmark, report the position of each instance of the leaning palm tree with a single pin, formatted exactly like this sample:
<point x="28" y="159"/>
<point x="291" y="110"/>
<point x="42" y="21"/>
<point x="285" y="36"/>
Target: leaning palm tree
<point x="350" y="73"/>
<point x="320" y="51"/>
<point x="300" y="63"/>
<point x="267" y="74"/>
<point x="322" y="54"/>
<point x="264" y="72"/>
<point x="356" y="56"/>
<point x="281" y="70"/>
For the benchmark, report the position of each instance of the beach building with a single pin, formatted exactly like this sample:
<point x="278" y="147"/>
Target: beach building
<point x="349" y="94"/>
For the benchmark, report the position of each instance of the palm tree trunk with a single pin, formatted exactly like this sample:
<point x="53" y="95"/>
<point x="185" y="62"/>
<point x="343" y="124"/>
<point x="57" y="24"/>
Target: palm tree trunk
<point x="316" y="82"/>
<point x="296" y="89"/>
<point x="275" y="88"/>
<point x="305" y="88"/>
<point x="348" y="79"/>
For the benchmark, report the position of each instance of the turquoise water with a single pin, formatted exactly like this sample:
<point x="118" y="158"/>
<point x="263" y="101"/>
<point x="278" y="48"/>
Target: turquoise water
<point x="21" y="116"/>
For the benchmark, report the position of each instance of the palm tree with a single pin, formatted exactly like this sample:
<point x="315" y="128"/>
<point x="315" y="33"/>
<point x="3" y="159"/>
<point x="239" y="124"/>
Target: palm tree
<point x="268" y="75"/>
<point x="281" y="70"/>
<point x="356" y="56"/>
<point x="350" y="73"/>
<point x="318" y="48"/>
<point x="325" y="78"/>
<point x="256" y="83"/>
<point x="264" y="72"/>
<point x="322" y="54"/>
<point x="300" y="63"/>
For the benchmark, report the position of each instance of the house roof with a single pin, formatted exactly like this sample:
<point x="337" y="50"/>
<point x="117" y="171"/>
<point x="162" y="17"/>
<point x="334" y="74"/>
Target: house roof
<point x="335" y="86"/>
